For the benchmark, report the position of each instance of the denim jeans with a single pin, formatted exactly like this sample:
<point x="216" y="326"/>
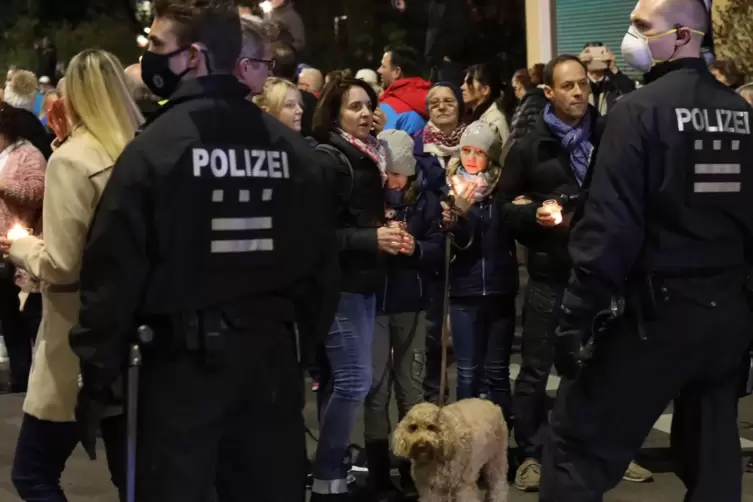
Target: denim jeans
<point x="398" y="356"/>
<point x="542" y="302"/>
<point x="44" y="447"/>
<point x="348" y="350"/>
<point x="482" y="334"/>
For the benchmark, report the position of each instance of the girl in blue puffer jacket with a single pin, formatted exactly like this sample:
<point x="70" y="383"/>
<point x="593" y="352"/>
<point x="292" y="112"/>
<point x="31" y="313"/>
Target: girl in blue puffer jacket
<point x="483" y="274"/>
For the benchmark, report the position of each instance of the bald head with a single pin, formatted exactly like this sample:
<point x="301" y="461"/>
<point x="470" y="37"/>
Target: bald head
<point x="139" y="90"/>
<point x="664" y="15"/>
<point x="311" y="80"/>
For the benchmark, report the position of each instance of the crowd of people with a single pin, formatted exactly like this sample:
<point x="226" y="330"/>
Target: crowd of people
<point x="497" y="162"/>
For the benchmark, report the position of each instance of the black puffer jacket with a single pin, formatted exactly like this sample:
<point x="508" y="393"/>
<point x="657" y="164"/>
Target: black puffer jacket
<point x="528" y="112"/>
<point x="360" y="212"/>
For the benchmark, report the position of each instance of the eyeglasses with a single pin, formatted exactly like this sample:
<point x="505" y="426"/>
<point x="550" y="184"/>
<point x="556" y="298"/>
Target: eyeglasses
<point x="435" y="103"/>
<point x="271" y="63"/>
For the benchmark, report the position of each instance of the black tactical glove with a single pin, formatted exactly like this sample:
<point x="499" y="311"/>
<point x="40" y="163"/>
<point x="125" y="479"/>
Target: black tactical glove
<point x="94" y="398"/>
<point x="572" y="333"/>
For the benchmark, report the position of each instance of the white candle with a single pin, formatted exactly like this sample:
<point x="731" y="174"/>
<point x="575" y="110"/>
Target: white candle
<point x="17" y="232"/>
<point x="553" y="207"/>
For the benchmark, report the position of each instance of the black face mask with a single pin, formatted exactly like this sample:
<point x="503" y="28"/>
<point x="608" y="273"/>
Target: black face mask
<point x="157" y="75"/>
<point x="394" y="198"/>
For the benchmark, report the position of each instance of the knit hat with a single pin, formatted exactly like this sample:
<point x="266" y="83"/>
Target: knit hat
<point x="21" y="91"/>
<point x="479" y="135"/>
<point x="458" y="95"/>
<point x="399" y="146"/>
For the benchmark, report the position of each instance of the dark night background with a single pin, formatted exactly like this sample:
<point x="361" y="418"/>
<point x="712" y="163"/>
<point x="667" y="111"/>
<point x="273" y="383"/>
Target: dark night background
<point x="371" y="24"/>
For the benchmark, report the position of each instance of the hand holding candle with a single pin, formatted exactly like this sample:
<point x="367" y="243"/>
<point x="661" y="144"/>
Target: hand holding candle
<point x="549" y="214"/>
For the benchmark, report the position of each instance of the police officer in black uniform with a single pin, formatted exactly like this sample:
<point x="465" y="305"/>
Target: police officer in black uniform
<point x="215" y="231"/>
<point x="666" y="227"/>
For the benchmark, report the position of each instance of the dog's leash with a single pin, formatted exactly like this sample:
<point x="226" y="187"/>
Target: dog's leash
<point x="445" y="318"/>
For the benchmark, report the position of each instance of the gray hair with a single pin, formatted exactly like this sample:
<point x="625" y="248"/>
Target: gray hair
<point x="254" y="38"/>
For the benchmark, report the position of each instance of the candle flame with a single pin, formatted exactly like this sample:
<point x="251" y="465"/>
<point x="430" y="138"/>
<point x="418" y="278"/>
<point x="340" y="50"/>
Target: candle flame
<point x="17" y="232"/>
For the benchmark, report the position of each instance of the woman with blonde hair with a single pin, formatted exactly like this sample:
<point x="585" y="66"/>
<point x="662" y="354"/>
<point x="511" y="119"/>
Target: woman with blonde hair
<point x="282" y="99"/>
<point x="102" y="118"/>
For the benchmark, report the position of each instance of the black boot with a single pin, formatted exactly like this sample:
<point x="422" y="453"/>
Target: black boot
<point x="406" y="481"/>
<point x="380" y="480"/>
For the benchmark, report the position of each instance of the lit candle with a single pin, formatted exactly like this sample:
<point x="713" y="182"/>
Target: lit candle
<point x="17" y="232"/>
<point x="266" y="7"/>
<point x="553" y="207"/>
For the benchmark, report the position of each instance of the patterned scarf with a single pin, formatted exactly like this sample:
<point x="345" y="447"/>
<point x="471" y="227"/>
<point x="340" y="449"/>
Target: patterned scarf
<point x="482" y="181"/>
<point x="575" y="140"/>
<point x="443" y="146"/>
<point x="371" y="147"/>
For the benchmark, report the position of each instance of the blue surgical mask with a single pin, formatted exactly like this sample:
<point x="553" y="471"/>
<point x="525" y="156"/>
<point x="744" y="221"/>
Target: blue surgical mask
<point x="394" y="198"/>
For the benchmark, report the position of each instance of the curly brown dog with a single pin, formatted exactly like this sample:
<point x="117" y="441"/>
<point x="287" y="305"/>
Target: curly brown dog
<point x="452" y="447"/>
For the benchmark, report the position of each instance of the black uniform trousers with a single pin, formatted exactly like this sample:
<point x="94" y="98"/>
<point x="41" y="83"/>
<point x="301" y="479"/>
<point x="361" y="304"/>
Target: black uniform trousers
<point x="691" y="354"/>
<point x="236" y="426"/>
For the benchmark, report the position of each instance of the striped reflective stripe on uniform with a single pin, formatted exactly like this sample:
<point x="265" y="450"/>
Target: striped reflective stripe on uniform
<point x="717" y="168"/>
<point x="237" y="224"/>
<point x="243" y="246"/>
<point x="720" y="187"/>
<point x="219" y="246"/>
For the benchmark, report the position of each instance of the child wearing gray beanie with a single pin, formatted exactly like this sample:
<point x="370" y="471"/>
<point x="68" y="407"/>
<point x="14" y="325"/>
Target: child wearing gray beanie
<point x="399" y="147"/>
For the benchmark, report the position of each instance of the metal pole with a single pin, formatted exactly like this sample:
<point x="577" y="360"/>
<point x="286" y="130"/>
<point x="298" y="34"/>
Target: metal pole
<point x="145" y="335"/>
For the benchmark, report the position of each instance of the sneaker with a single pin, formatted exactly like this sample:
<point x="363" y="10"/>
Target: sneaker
<point x="528" y="477"/>
<point x="637" y="474"/>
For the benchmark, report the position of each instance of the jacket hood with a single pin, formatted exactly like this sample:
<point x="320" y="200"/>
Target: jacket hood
<point x="410" y="91"/>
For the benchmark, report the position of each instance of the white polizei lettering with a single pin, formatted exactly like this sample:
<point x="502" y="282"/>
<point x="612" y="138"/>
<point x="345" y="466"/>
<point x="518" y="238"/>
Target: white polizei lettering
<point x="218" y="163"/>
<point x="285" y="167"/>
<point x="200" y="159"/>
<point x="697" y="119"/>
<point x="218" y="195"/>
<point x="259" y="171"/>
<point x="710" y="128"/>
<point x="244" y="196"/>
<point x="249" y="164"/>
<point x="717" y="144"/>
<point x="735" y="145"/>
<point x="242" y="246"/>
<point x="235" y="171"/>
<point x="238" y="224"/>
<point x="730" y="121"/>
<point x="716" y="187"/>
<point x="275" y="168"/>
<point x="266" y="195"/>
<point x="683" y="117"/>
<point x="717" y="168"/>
<point x="699" y="144"/>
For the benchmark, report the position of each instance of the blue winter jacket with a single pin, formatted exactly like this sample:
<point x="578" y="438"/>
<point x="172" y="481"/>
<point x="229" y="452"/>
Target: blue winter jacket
<point x="407" y="286"/>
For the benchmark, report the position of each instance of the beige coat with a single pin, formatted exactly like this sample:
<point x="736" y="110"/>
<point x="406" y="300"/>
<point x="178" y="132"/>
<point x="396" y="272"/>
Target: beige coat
<point x="494" y="117"/>
<point x="76" y="176"/>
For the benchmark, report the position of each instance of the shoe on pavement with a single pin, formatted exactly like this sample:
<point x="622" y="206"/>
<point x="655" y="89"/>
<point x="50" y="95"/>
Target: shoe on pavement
<point x="637" y="474"/>
<point x="528" y="476"/>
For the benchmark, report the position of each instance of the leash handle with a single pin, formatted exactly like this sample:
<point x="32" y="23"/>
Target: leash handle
<point x="445" y="317"/>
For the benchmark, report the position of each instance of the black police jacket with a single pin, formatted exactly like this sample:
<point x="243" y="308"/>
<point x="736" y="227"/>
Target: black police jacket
<point x="670" y="185"/>
<point x="214" y="204"/>
<point x="538" y="167"/>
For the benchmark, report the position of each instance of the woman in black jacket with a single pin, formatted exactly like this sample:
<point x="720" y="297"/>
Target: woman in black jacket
<point x="532" y="101"/>
<point x="356" y="164"/>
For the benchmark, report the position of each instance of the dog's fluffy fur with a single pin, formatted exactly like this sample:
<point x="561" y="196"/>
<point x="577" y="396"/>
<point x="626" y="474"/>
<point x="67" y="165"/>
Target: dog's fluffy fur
<point x="450" y="448"/>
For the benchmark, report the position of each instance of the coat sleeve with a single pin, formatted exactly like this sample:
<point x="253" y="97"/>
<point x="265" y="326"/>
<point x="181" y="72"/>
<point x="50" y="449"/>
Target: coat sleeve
<point x="26" y="187"/>
<point x="69" y="197"/>
<point x="623" y="83"/>
<point x="114" y="268"/>
<point x="606" y="242"/>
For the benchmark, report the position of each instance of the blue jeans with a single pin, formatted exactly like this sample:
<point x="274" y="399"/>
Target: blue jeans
<point x="348" y="349"/>
<point x="482" y="334"/>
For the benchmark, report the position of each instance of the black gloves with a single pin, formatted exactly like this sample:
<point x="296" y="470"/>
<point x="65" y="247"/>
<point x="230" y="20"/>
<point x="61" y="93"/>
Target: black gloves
<point x="94" y="398"/>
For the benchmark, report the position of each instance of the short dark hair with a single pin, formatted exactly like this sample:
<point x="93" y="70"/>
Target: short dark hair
<point x="729" y="70"/>
<point x="537" y="74"/>
<point x="285" y="61"/>
<point x="548" y="73"/>
<point x="10" y="124"/>
<point x="405" y="58"/>
<point x="328" y="108"/>
<point x="214" y="23"/>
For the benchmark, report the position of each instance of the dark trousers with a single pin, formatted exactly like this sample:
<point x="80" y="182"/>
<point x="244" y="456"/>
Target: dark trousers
<point x="542" y="303"/>
<point x="19" y="329"/>
<point x="692" y="352"/>
<point x="433" y="346"/>
<point x="235" y="424"/>
<point x="482" y="334"/>
<point x="398" y="356"/>
<point x="448" y="71"/>
<point x="44" y="447"/>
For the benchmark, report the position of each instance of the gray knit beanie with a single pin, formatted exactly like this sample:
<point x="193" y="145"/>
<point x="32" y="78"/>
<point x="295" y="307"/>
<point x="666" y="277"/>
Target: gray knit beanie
<point x="399" y="146"/>
<point x="479" y="135"/>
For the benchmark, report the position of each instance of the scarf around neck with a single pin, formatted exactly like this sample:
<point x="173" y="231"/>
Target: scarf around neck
<point x="482" y="181"/>
<point x="444" y="146"/>
<point x="576" y="140"/>
<point x="372" y="148"/>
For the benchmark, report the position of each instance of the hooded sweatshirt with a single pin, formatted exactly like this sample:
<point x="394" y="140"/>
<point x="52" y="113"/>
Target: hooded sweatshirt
<point x="404" y="104"/>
